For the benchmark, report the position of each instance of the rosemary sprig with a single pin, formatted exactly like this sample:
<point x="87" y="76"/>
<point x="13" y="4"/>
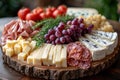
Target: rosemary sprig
<point x="46" y="25"/>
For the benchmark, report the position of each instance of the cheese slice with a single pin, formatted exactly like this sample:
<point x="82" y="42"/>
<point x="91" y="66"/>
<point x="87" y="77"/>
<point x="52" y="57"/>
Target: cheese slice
<point x="37" y="60"/>
<point x="64" y="56"/>
<point x="58" y="56"/>
<point x="50" y="55"/>
<point x="97" y="51"/>
<point x="54" y="55"/>
<point x="45" y="54"/>
<point x="30" y="58"/>
<point x="102" y="42"/>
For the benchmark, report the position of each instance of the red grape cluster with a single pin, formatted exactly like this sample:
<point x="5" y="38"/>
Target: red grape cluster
<point x="69" y="32"/>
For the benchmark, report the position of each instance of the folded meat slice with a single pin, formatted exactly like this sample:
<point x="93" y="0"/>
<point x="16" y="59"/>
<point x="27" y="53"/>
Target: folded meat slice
<point x="17" y="28"/>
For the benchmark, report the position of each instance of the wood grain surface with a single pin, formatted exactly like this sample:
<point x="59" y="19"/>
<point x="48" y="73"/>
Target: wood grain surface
<point x="113" y="73"/>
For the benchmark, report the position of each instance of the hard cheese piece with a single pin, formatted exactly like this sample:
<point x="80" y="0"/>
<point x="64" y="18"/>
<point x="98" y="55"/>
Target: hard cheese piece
<point x="37" y="60"/>
<point x="58" y="56"/>
<point x="9" y="52"/>
<point x="50" y="55"/>
<point x="54" y="55"/>
<point x="97" y="51"/>
<point x="30" y="58"/>
<point x="45" y="54"/>
<point x="26" y="49"/>
<point x="33" y="44"/>
<point x="17" y="48"/>
<point x="4" y="48"/>
<point x="64" y="56"/>
<point x="11" y="43"/>
<point x="22" y="56"/>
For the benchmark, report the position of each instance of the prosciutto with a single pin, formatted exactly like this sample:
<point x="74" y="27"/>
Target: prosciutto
<point x="78" y="55"/>
<point x="17" y="28"/>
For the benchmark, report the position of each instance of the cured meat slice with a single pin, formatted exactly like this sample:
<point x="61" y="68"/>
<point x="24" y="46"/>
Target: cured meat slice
<point x="17" y="28"/>
<point x="78" y="55"/>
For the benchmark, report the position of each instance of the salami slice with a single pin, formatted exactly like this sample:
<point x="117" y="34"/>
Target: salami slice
<point x="78" y="55"/>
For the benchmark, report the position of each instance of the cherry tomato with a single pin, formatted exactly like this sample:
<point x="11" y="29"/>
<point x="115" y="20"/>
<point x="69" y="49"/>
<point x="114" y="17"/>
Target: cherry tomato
<point x="62" y="8"/>
<point x="43" y="15"/>
<point x="56" y="13"/>
<point x="23" y="12"/>
<point x="37" y="10"/>
<point x="49" y="14"/>
<point x="53" y="9"/>
<point x="32" y="16"/>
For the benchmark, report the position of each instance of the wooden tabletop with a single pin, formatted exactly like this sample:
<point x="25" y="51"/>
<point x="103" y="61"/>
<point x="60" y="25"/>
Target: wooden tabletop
<point x="113" y="73"/>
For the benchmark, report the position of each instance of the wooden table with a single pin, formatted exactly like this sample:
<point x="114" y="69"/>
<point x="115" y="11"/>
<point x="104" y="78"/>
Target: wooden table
<point x="113" y="73"/>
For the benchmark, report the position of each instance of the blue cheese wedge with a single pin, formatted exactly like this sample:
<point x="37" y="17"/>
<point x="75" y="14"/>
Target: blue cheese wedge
<point x="102" y="42"/>
<point x="97" y="51"/>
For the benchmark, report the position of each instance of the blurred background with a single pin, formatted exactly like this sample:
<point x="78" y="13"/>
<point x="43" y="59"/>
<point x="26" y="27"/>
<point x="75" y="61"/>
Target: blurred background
<point x="108" y="8"/>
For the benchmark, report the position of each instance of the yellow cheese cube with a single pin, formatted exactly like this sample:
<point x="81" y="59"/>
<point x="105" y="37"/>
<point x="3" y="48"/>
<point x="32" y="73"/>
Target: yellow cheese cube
<point x="22" y="56"/>
<point x="11" y="43"/>
<point x="20" y="38"/>
<point x="30" y="59"/>
<point x="33" y="44"/>
<point x="4" y="48"/>
<point x="24" y="43"/>
<point x="26" y="49"/>
<point x="17" y="48"/>
<point x="9" y="52"/>
<point x="54" y="55"/>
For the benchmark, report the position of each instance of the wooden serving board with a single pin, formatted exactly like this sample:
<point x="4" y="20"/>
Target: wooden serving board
<point x="113" y="73"/>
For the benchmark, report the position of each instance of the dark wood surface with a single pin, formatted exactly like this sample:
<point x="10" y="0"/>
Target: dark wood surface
<point x="113" y="73"/>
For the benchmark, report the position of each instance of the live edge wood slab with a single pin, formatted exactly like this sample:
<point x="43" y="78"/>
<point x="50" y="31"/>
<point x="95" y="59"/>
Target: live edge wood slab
<point x="62" y="74"/>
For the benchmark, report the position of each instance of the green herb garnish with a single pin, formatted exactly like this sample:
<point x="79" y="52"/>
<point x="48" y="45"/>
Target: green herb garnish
<point x="46" y="25"/>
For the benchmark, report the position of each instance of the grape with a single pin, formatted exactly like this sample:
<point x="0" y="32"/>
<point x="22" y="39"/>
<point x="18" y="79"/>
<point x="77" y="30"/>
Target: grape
<point x="69" y="31"/>
<point x="53" y="42"/>
<point x="57" y="41"/>
<point x="46" y="36"/>
<point x="91" y="26"/>
<point x="58" y="29"/>
<point x="61" y="25"/>
<point x="48" y="41"/>
<point x="52" y="37"/>
<point x="68" y="22"/>
<point x="82" y="26"/>
<point x="67" y="38"/>
<point x="73" y="27"/>
<point x="58" y="34"/>
<point x="64" y="32"/>
<point x="62" y="39"/>
<point x="75" y="21"/>
<point x="80" y="20"/>
<point x="51" y="31"/>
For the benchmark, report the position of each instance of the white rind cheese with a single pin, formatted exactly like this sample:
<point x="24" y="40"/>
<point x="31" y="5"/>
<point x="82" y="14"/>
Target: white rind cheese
<point x="102" y="42"/>
<point x="97" y="51"/>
